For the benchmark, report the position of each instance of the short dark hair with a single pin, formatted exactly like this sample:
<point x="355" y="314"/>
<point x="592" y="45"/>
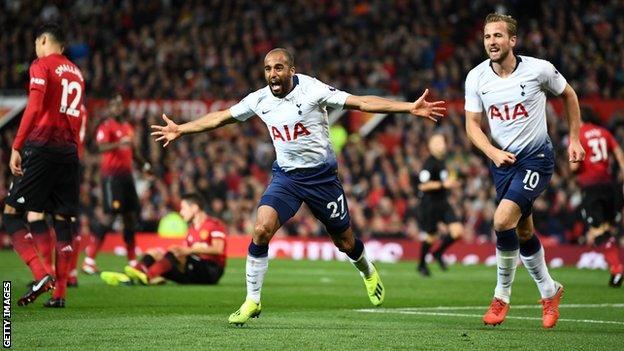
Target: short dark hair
<point x="52" y="29"/>
<point x="290" y="58"/>
<point x="195" y="198"/>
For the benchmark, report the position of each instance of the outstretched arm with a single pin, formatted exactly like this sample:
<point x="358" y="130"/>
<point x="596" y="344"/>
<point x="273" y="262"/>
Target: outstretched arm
<point x="421" y="107"/>
<point x="573" y="113"/>
<point x="172" y="131"/>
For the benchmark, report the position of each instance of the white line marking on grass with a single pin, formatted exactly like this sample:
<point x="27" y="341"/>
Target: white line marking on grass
<point x="515" y="307"/>
<point x="422" y="313"/>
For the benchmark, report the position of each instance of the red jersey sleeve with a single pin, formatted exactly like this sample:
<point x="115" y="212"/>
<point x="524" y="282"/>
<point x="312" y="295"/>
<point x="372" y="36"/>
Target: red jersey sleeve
<point x="38" y="77"/>
<point x="611" y="142"/>
<point x="36" y="94"/>
<point x="102" y="135"/>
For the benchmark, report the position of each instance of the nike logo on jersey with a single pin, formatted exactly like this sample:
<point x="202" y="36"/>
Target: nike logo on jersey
<point x="343" y="216"/>
<point x="484" y="92"/>
<point x="265" y="112"/>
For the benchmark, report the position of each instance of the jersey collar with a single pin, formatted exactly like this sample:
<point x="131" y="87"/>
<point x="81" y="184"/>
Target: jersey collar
<point x="289" y="95"/>
<point x="518" y="60"/>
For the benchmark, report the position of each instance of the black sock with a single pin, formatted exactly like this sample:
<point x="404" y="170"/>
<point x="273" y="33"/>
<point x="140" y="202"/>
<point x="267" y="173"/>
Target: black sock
<point x="424" y="249"/>
<point x="447" y="241"/>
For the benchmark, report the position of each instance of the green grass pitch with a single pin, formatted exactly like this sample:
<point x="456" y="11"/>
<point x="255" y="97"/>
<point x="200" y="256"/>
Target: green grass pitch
<point x="318" y="306"/>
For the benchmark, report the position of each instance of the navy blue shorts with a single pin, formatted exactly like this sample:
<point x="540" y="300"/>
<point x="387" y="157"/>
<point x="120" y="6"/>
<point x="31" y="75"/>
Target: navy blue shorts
<point x="318" y="187"/>
<point x="526" y="179"/>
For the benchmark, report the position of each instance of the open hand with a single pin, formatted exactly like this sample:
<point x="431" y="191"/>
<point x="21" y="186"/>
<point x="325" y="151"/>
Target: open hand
<point x="431" y="110"/>
<point x="166" y="133"/>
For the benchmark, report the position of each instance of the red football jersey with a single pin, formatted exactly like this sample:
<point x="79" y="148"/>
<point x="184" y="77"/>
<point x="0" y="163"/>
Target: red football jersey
<point x="80" y="128"/>
<point x="119" y="160"/>
<point x="212" y="229"/>
<point x="597" y="143"/>
<point x="56" y="94"/>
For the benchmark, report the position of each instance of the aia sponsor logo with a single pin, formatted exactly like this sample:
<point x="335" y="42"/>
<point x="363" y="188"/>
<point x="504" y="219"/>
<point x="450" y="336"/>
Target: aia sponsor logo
<point x="286" y="133"/>
<point x="507" y="113"/>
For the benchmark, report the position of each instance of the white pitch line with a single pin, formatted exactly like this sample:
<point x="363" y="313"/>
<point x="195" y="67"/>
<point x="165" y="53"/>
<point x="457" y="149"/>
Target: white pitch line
<point x="515" y="307"/>
<point x="446" y="314"/>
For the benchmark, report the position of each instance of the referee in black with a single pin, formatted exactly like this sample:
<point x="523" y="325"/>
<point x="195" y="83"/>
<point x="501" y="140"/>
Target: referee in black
<point x="434" y="206"/>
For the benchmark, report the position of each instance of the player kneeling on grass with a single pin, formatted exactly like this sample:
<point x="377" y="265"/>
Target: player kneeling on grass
<point x="200" y="261"/>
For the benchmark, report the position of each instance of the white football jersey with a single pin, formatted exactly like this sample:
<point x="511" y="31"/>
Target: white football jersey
<point x="298" y="122"/>
<point x="515" y="107"/>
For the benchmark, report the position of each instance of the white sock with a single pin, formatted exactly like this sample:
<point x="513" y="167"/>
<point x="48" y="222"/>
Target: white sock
<point x="506" y="262"/>
<point x="363" y="265"/>
<point x="255" y="269"/>
<point x="536" y="265"/>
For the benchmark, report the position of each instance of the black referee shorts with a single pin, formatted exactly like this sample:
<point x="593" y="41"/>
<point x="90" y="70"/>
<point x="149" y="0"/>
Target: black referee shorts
<point x="431" y="213"/>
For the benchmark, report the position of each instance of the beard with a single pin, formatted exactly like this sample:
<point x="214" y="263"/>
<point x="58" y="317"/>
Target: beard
<point x="503" y="55"/>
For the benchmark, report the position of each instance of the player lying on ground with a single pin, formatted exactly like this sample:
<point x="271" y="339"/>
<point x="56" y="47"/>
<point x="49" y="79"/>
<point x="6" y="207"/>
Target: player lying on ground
<point x="200" y="261"/>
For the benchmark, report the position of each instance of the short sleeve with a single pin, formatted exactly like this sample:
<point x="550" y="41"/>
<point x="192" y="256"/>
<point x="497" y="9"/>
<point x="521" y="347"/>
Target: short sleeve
<point x="611" y="142"/>
<point x="329" y="96"/>
<point x="243" y="111"/>
<point x="472" y="102"/>
<point x="38" y="77"/>
<point x="551" y="79"/>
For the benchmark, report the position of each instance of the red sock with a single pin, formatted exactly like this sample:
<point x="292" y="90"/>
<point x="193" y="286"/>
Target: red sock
<point x="44" y="242"/>
<point x="64" y="252"/>
<point x="26" y="250"/>
<point x="159" y="268"/>
<point x="611" y="252"/>
<point x="131" y="251"/>
<point x="94" y="247"/>
<point x="77" y="245"/>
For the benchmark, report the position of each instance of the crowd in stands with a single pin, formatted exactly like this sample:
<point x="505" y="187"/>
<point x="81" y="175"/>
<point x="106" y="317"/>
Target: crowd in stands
<point x="214" y="50"/>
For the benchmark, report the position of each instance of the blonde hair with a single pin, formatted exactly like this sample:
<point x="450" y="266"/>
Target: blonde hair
<point x="512" y="24"/>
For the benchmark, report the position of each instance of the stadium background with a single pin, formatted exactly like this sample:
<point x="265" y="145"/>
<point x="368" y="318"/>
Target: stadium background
<point x="188" y="57"/>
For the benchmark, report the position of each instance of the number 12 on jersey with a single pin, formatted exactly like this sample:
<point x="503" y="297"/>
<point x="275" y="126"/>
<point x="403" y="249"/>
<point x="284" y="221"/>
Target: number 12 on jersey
<point x="68" y="88"/>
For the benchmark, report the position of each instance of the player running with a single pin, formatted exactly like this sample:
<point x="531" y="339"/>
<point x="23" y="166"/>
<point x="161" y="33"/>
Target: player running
<point x="510" y="90"/>
<point x="294" y="108"/>
<point x="47" y="178"/>
<point x="200" y="261"/>
<point x="597" y="185"/>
